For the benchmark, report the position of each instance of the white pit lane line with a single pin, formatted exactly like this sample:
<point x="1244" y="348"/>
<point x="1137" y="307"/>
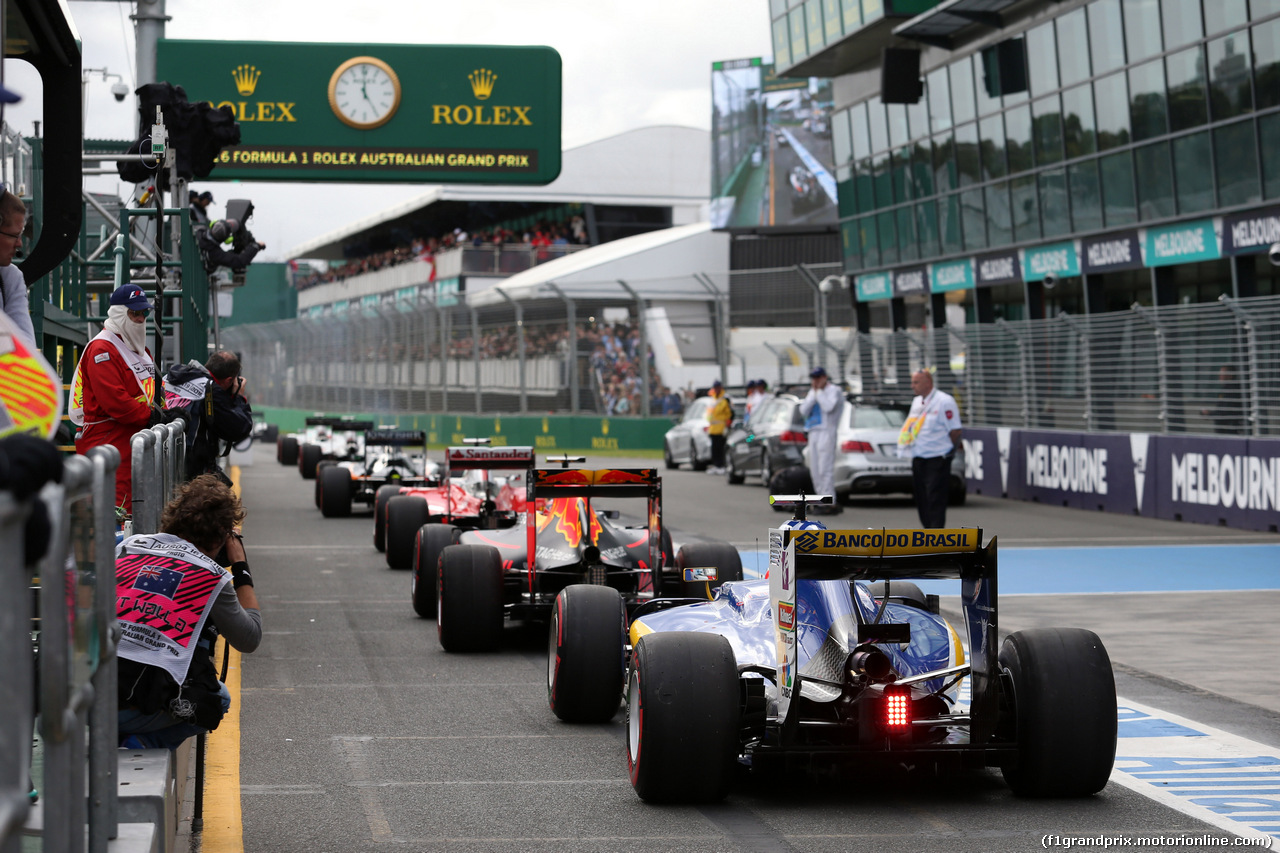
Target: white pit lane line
<point x="1222" y="779"/>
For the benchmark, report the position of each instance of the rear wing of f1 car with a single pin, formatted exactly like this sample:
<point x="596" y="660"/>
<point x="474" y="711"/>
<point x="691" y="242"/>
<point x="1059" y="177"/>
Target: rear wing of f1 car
<point x="395" y="438"/>
<point x="889" y="555"/>
<point x="589" y="483"/>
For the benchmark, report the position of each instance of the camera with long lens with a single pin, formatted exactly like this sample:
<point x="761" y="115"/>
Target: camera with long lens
<point x="240" y="209"/>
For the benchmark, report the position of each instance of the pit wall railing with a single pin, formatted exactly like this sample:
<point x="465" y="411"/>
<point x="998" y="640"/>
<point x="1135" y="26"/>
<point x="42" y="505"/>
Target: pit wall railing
<point x="67" y="600"/>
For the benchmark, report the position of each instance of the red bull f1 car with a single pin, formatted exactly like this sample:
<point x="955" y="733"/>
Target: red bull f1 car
<point x="495" y="574"/>
<point x="837" y="660"/>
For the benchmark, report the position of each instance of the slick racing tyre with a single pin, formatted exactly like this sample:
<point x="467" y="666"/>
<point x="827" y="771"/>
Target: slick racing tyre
<point x="682" y="717"/>
<point x="723" y="556"/>
<point x="585" y="656"/>
<point x="308" y="458"/>
<point x="287" y="450"/>
<point x="270" y="433"/>
<point x="469" y="599"/>
<point x="405" y="514"/>
<point x="1061" y="707"/>
<point x="335" y="491"/>
<point x="319" y="484"/>
<point x="380" y="498"/>
<point x="428" y="543"/>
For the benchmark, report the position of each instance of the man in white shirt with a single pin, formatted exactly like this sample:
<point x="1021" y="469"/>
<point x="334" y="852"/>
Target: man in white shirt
<point x="821" y="411"/>
<point x="930" y="438"/>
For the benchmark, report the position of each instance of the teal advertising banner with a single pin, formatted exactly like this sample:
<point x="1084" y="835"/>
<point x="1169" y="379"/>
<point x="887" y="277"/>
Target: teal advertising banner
<point x="877" y="285"/>
<point x="1057" y="258"/>
<point x="952" y="275"/>
<point x="1182" y="243"/>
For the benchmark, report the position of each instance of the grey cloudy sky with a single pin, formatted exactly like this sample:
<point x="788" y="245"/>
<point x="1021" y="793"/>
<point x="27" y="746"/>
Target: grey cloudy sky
<point x="626" y="65"/>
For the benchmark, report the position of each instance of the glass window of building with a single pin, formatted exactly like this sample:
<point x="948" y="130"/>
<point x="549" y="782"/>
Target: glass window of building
<point x="1222" y="15"/>
<point x="991" y="132"/>
<point x="872" y="10"/>
<point x="1111" y="103"/>
<point x="1055" y="210"/>
<point x="851" y="12"/>
<point x="831" y="26"/>
<point x="777" y="7"/>
<point x="918" y="119"/>
<point x="1073" y="57"/>
<point x="987" y="103"/>
<point x="927" y="228"/>
<point x="1141" y="28"/>
<point x="1266" y="61"/>
<point x="944" y="162"/>
<point x="860" y="130"/>
<point x="1046" y="129"/>
<point x="1024" y="208"/>
<point x="1119" y="205"/>
<point x="841" y="138"/>
<point x="974" y="215"/>
<point x="1155" y="181"/>
<point x="897" y="116"/>
<point x="939" y="92"/>
<point x="1106" y="35"/>
<point x="879" y="125"/>
<point x="999" y="214"/>
<point x="864" y="183"/>
<point x="886" y="224"/>
<point x="799" y="45"/>
<point x="902" y="184"/>
<point x="1184" y="74"/>
<point x="949" y="224"/>
<point x="849" y="246"/>
<point x="1086" y="196"/>
<point x="1078" y="129"/>
<point x="1147" y="109"/>
<point x="1181" y="19"/>
<point x="908" y="247"/>
<point x="963" y="107"/>
<point x="1269" y="132"/>
<point x="922" y="168"/>
<point x="846" y="192"/>
<point x="1194" y="181"/>
<point x="1017" y="135"/>
<point x="1237" y="161"/>
<point x="1263" y="8"/>
<point x="781" y="43"/>
<point x="1042" y="59"/>
<point x="882" y="164"/>
<point x="870" y="249"/>
<point x="1230" y="84"/>
<point x="1008" y="99"/>
<point x="813" y="23"/>
<point x="968" y="158"/>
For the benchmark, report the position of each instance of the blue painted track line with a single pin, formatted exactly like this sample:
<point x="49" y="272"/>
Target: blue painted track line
<point x="1161" y="568"/>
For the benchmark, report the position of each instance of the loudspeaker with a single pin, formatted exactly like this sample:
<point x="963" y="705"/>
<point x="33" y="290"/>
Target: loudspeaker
<point x="900" y="81"/>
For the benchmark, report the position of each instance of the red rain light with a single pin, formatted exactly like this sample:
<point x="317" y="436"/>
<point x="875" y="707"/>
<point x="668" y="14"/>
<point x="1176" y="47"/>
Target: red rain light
<point x="897" y="710"/>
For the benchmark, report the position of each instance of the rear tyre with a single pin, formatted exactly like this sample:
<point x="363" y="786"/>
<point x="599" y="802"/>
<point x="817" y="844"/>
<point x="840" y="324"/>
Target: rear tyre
<point x="1063" y="709"/>
<point x="308" y="458"/>
<point x="469" y="599"/>
<point x="722" y="555"/>
<point x="682" y="717"/>
<point x="287" y="450"/>
<point x="405" y="514"/>
<point x="585" y="656"/>
<point x="270" y="433"/>
<point x="319" y="486"/>
<point x="380" y="498"/>
<point x="734" y="476"/>
<point x="428" y="543"/>
<point x="335" y="491"/>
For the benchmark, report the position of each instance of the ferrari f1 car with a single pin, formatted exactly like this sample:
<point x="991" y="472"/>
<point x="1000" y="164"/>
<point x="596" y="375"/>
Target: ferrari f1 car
<point x="837" y="659"/>
<point x="389" y="460"/>
<point x="517" y="572"/>
<point x="465" y="498"/>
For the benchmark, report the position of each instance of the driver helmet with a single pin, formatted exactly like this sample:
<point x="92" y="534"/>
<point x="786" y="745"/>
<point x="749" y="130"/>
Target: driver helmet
<point x="803" y="524"/>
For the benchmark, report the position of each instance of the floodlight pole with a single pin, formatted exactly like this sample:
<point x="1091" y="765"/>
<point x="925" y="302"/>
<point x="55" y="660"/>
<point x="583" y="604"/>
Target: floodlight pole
<point x="643" y="355"/>
<point x="571" y="311"/>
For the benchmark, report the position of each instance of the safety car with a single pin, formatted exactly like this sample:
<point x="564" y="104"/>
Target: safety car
<point x="838" y="660"/>
<point x="392" y="457"/>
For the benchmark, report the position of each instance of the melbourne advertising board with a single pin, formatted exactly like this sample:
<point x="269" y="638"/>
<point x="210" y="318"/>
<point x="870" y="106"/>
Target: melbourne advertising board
<point x="378" y="112"/>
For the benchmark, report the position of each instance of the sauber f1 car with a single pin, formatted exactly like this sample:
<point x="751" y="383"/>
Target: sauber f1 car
<point x="465" y="498"/>
<point x="517" y="572"/>
<point x="389" y="459"/>
<point x="837" y="661"/>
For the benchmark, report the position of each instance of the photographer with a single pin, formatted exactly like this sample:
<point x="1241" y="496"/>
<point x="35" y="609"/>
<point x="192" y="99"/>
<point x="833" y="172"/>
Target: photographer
<point x="243" y="246"/>
<point x="220" y="415"/>
<point x="173" y="598"/>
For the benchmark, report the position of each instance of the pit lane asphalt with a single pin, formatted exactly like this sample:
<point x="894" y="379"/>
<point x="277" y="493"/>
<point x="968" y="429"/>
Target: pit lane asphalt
<point x="358" y="732"/>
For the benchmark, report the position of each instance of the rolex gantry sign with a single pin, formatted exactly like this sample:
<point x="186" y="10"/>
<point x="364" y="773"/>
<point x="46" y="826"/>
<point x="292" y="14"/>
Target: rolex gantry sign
<point x="378" y="112"/>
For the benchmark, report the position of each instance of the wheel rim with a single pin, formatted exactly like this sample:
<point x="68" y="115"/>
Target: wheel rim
<point x="635" y="712"/>
<point x="552" y="657"/>
<point x="766" y="473"/>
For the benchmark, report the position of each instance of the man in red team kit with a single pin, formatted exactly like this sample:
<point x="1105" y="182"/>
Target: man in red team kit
<point x="114" y="389"/>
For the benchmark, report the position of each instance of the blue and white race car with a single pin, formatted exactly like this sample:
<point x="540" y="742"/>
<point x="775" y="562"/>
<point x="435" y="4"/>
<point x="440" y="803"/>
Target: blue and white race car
<point x="836" y="659"/>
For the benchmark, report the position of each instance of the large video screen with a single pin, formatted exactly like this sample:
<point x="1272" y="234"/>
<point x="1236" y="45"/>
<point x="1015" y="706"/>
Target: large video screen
<point x="771" y="157"/>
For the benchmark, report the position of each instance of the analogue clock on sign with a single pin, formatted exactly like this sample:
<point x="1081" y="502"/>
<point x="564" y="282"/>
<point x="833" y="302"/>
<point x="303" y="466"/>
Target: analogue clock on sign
<point x="364" y="92"/>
